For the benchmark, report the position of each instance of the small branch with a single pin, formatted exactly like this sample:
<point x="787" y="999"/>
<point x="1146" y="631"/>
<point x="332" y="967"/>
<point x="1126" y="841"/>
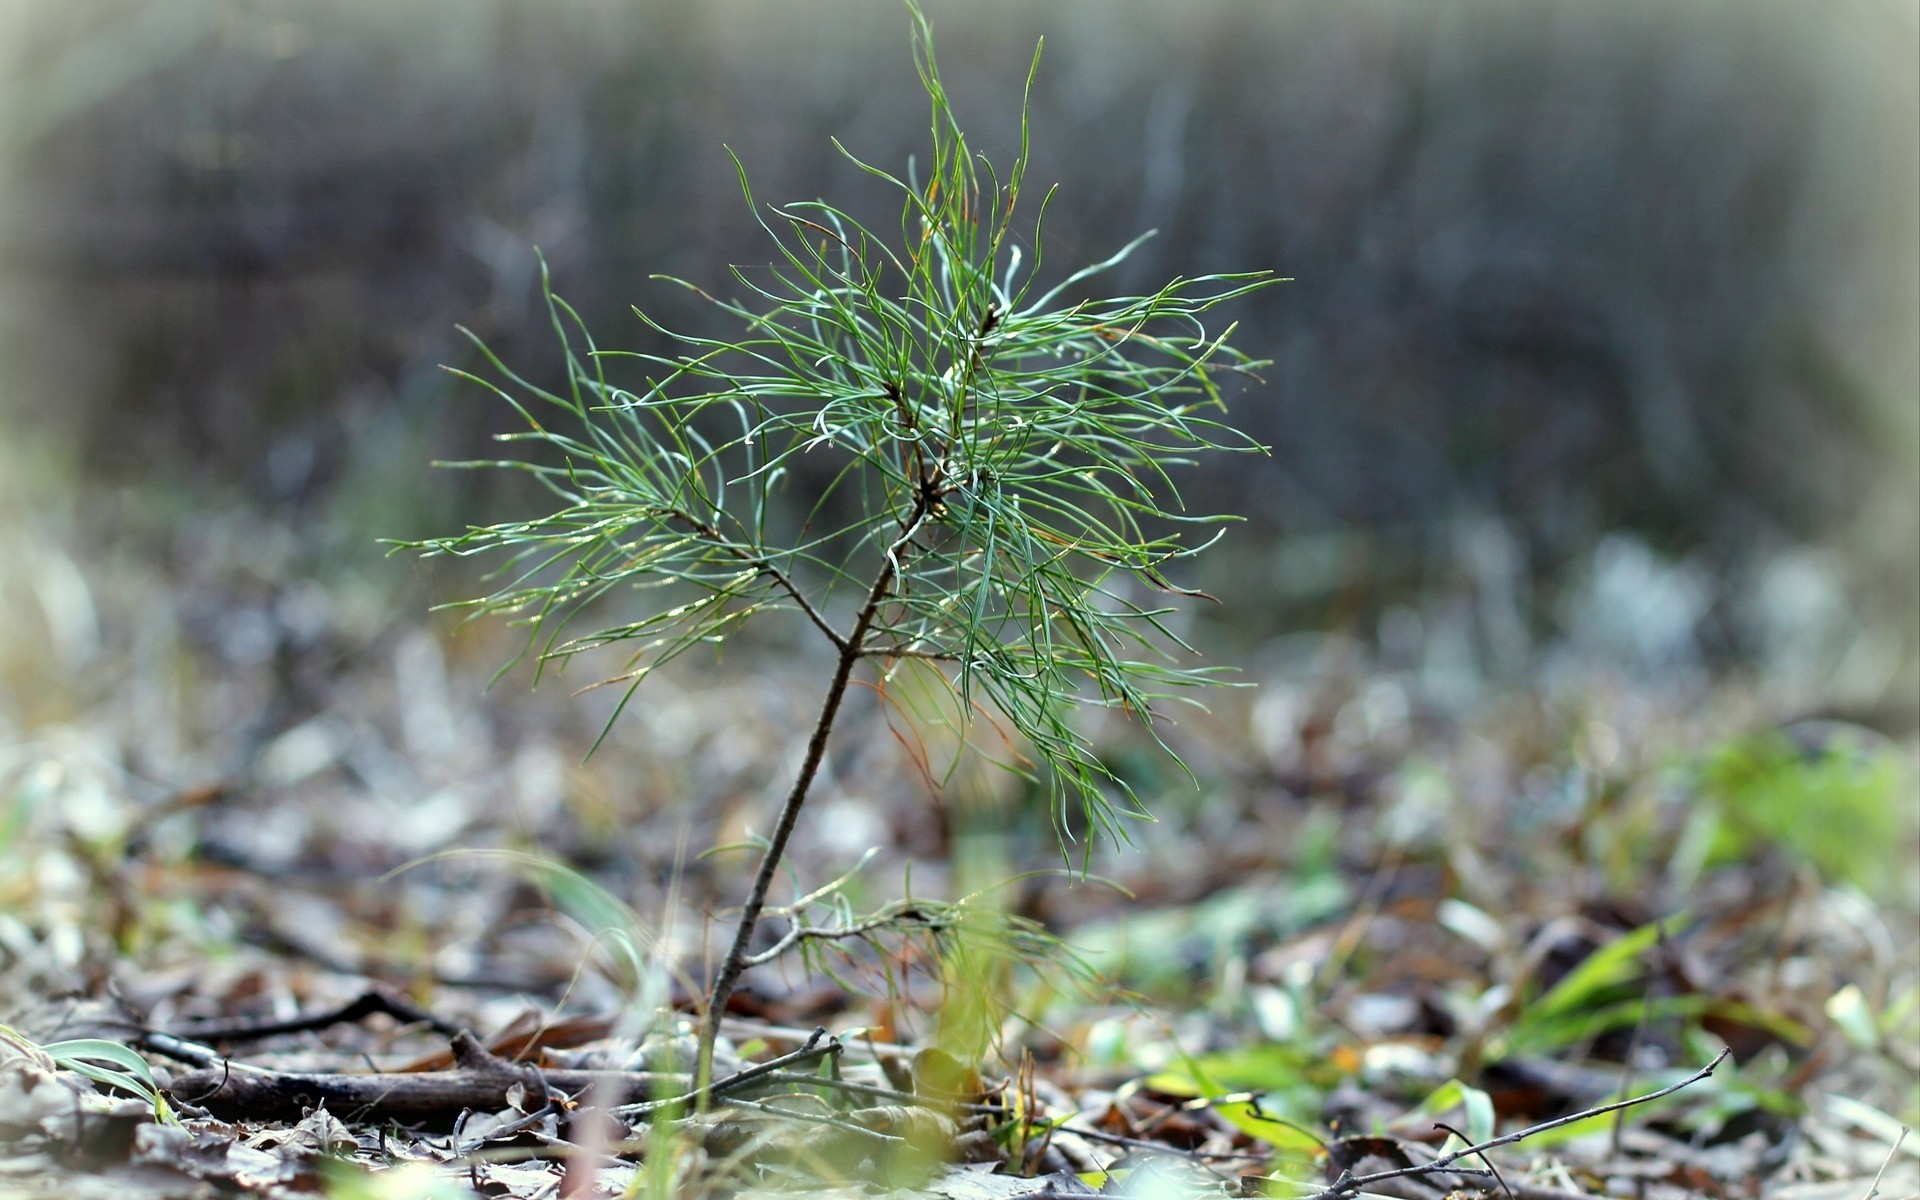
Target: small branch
<point x="812" y="1052"/>
<point x="763" y="565"/>
<point x="1350" y="1184"/>
<point x="804" y="933"/>
<point x="481" y="1081"/>
<point x="371" y="1002"/>
<point x="425" y="1096"/>
<point x="897" y="913"/>
<point x="1886" y="1162"/>
<point x="1484" y="1161"/>
<point x="500" y="1133"/>
<point x="920" y="472"/>
<point x="177" y="1048"/>
<point x="975" y="360"/>
<point x="792" y="589"/>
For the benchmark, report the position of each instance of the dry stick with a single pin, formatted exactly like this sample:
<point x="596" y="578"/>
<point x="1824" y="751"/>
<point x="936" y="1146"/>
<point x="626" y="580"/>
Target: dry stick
<point x="177" y="1048"/>
<point x="1484" y="1160"/>
<point x="751" y="1028"/>
<point x="481" y="1080"/>
<point x="457" y="1144"/>
<point x="1348" y="1184"/>
<point x="808" y="933"/>
<point x="1886" y="1162"/>
<point x="415" y="1096"/>
<point x="736" y="959"/>
<point x="372" y="1001"/>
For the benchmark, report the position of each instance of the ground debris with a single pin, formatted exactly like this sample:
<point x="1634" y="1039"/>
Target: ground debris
<point x="1388" y="912"/>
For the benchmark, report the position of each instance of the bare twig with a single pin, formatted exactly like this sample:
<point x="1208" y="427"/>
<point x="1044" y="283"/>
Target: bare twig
<point x="195" y="1037"/>
<point x="893" y="914"/>
<point x="459" y="1145"/>
<point x="749" y="1028"/>
<point x="765" y="566"/>
<point x="1350" y="1184"/>
<point x="812" y="1052"/>
<point x="1484" y="1160"/>
<point x="809" y="933"/>
<point x="177" y="1048"/>
<point x="404" y="1096"/>
<point x="1885" y="1163"/>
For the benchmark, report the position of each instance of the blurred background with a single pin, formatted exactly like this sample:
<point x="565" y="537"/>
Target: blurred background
<point x="1599" y="353"/>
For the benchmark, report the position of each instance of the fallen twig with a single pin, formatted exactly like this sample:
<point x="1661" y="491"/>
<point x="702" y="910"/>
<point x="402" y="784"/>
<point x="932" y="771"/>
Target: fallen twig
<point x="369" y="1003"/>
<point x="1484" y="1161"/>
<point x="480" y="1081"/>
<point x="1349" y="1183"/>
<point x="178" y="1048"/>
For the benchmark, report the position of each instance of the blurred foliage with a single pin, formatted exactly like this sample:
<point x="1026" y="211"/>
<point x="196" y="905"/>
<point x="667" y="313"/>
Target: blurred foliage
<point x="1843" y="804"/>
<point x="102" y="1061"/>
<point x="1570" y="270"/>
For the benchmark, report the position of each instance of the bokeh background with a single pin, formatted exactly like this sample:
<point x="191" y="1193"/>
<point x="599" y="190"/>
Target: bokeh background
<point x="1600" y="351"/>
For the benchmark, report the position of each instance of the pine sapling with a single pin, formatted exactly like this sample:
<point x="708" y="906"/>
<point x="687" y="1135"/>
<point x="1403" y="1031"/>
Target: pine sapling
<point x="1003" y="449"/>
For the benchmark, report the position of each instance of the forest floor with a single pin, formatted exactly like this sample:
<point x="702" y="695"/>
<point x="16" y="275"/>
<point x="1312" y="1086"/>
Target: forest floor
<point x="265" y="834"/>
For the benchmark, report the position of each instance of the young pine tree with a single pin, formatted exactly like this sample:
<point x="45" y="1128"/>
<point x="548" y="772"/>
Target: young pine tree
<point x="1003" y="447"/>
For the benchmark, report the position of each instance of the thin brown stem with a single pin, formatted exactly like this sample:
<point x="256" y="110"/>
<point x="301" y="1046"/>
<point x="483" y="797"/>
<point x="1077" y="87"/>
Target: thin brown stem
<point x="765" y="566"/>
<point x="892" y="917"/>
<point x="737" y="956"/>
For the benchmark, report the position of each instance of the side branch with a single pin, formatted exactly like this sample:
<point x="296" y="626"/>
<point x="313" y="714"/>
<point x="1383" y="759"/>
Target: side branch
<point x="812" y="1052"/>
<point x="761" y="564"/>
<point x="787" y="585"/>
<point x="893" y="915"/>
<point x="1349" y="1184"/>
